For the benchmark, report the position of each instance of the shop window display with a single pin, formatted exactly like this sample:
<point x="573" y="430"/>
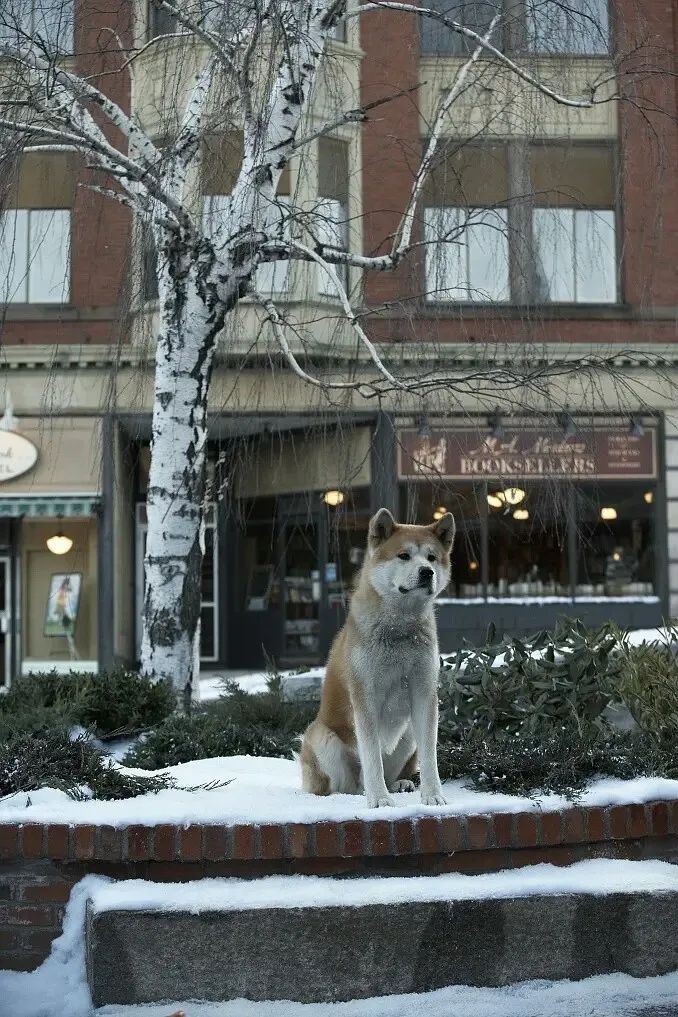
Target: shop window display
<point x="615" y="540"/>
<point x="527" y="541"/>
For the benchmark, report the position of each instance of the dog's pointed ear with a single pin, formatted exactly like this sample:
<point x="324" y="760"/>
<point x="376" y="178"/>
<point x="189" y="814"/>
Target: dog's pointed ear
<point x="445" y="529"/>
<point x="382" y="525"/>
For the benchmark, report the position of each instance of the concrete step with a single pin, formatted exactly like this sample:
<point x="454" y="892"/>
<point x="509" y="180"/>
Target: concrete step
<point x="313" y="940"/>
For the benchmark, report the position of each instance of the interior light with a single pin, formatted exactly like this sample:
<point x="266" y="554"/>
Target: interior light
<point x="521" y="514"/>
<point x="648" y="497"/>
<point x="495" y="500"/>
<point x="333" y="498"/>
<point x="608" y="513"/>
<point x="473" y="565"/>
<point x="616" y="556"/>
<point x="440" y="512"/>
<point x="513" y="495"/>
<point x="59" y="544"/>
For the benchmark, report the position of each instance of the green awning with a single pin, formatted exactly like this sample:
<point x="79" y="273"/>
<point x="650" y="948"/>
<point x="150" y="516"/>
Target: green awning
<point x="49" y="506"/>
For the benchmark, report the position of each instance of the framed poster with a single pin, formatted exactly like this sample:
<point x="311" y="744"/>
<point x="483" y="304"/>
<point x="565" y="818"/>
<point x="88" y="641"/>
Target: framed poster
<point x="63" y="602"/>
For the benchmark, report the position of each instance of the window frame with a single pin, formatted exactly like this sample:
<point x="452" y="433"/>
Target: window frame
<point x="31" y="256"/>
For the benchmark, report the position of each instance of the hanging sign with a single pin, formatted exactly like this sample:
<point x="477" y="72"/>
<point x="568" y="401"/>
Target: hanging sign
<point x="18" y="455"/>
<point x="612" y="453"/>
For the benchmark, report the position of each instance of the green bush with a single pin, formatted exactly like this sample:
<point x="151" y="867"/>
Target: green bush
<point x="239" y="723"/>
<point x="648" y="686"/>
<point x="564" y="679"/>
<point x="119" y="702"/>
<point x="51" y="759"/>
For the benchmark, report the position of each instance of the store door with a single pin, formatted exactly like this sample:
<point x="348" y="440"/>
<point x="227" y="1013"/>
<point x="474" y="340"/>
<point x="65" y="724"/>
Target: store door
<point x="5" y="623"/>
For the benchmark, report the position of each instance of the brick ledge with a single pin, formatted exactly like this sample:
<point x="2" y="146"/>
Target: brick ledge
<point x="378" y="838"/>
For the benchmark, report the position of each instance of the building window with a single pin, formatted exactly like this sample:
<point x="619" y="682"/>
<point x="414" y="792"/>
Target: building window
<point x="438" y="39"/>
<point x="573" y="224"/>
<point x="616" y="553"/>
<point x="576" y="28"/>
<point x="329" y="223"/>
<point x="161" y="22"/>
<point x="35" y="231"/>
<point x="466" y="255"/>
<point x="48" y="21"/>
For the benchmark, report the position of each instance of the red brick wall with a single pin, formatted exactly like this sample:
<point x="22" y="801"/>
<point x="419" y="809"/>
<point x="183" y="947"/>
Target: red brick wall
<point x="39" y="864"/>
<point x="100" y="226"/>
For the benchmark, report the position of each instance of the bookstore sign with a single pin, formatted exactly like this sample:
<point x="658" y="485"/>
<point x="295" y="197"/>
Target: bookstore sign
<point x="610" y="453"/>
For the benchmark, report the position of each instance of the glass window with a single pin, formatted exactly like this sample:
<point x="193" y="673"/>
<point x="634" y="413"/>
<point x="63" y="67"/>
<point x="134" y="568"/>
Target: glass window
<point x="437" y="38"/>
<point x="466" y="254"/>
<point x="576" y="255"/>
<point x="329" y="223"/>
<point x="48" y="21"/>
<point x="527" y="541"/>
<point x="578" y="27"/>
<point x="574" y="223"/>
<point x="160" y="22"/>
<point x="35" y="256"/>
<point x="422" y="501"/>
<point x="615" y="536"/>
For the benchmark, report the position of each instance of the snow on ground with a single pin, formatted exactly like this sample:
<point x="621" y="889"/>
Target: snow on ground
<point x="58" y="988"/>
<point x="603" y="996"/>
<point x="268" y="791"/>
<point x="598" y="876"/>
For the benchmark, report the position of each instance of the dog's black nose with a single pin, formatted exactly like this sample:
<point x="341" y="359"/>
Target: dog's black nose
<point x="425" y="574"/>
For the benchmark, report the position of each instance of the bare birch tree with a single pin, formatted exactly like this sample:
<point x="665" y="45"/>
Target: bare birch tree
<point x="254" y="65"/>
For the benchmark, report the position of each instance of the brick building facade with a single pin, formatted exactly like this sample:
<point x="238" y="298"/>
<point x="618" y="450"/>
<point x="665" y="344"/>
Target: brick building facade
<point x="569" y="257"/>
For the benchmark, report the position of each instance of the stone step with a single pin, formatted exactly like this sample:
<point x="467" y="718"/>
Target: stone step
<point x="311" y="939"/>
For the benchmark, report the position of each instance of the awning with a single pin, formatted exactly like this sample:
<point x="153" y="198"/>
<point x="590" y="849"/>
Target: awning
<point x="49" y="505"/>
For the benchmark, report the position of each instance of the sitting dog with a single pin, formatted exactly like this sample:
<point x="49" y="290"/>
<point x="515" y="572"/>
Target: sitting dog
<point x="379" y="709"/>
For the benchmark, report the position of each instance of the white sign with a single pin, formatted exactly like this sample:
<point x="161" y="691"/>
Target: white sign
<point x="17" y="455"/>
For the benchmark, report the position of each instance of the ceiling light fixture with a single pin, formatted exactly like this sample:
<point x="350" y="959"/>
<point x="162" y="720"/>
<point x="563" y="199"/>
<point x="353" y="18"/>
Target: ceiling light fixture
<point x="333" y="498"/>
<point x="59" y="543"/>
<point x="521" y="514"/>
<point x="648" y="497"/>
<point x="513" y="495"/>
<point x="423" y="427"/>
<point x="495" y="501"/>
<point x="608" y="513"/>
<point x="566" y="424"/>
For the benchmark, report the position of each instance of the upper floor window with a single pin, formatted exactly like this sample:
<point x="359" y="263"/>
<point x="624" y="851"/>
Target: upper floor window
<point x="49" y="22"/>
<point x="330" y="215"/>
<point x="559" y="244"/>
<point x="35" y="232"/>
<point x="222" y="156"/>
<point x="573" y="223"/>
<point x="575" y="28"/>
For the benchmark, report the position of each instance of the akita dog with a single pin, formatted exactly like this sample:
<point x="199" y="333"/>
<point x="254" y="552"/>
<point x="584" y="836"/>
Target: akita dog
<point x="378" y="714"/>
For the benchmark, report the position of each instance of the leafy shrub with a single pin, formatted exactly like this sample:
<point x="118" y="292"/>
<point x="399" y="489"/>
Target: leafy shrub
<point x="239" y="723"/>
<point x="556" y="762"/>
<point x="648" y="685"/>
<point x="52" y="759"/>
<point x="554" y="681"/>
<point x="118" y="702"/>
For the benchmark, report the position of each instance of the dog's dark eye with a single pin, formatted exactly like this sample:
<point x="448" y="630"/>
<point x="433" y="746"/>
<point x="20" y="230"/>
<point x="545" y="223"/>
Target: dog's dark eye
<point x="432" y="557"/>
<point x="404" y="556"/>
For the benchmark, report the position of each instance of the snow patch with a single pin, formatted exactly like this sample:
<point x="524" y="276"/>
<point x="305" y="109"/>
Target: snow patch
<point x="269" y="791"/>
<point x="598" y="877"/>
<point x="601" y="996"/>
<point x="58" y="988"/>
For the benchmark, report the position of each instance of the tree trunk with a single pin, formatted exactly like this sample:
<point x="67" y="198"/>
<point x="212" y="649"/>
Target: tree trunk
<point x="176" y="484"/>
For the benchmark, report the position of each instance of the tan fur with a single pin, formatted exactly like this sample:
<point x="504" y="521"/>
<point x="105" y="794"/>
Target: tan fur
<point x="348" y="692"/>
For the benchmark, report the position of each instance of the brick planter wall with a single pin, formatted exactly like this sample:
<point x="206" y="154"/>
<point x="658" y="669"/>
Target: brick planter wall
<point x="39" y="864"/>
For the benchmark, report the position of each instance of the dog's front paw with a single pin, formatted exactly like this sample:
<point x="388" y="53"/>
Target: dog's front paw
<point x="402" y="785"/>
<point x="379" y="801"/>
<point x="434" y="798"/>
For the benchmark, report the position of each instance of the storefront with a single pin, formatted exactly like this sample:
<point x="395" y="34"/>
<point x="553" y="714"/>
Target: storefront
<point x="557" y="521"/>
<point x="49" y="528"/>
<point x="551" y="521"/>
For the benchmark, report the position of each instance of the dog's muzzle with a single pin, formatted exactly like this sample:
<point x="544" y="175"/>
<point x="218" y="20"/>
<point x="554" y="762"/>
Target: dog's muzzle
<point x="426" y="578"/>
